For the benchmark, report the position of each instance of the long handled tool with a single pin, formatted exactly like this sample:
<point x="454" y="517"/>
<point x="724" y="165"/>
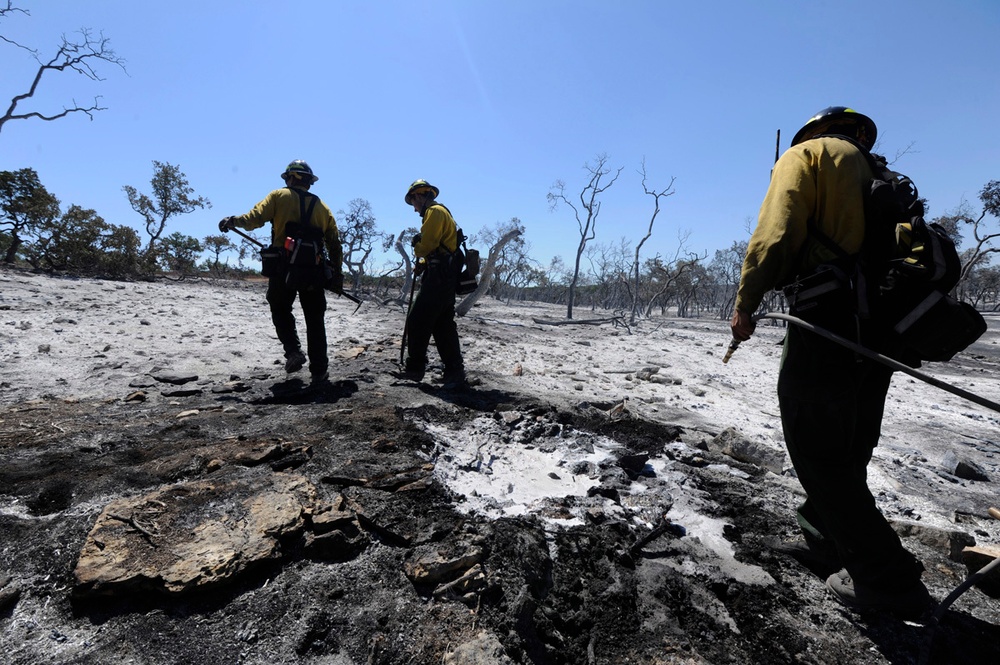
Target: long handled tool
<point x="872" y="355"/>
<point x="353" y="298"/>
<point x="406" y="325"/>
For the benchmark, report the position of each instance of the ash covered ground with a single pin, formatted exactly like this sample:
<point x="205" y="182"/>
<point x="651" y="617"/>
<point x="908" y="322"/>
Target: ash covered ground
<point x="602" y="494"/>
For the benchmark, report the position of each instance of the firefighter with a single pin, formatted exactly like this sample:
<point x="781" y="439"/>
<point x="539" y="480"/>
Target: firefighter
<point x="295" y="212"/>
<point x="437" y="267"/>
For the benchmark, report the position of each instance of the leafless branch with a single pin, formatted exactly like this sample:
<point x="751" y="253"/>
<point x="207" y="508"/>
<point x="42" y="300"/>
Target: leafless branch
<point x="77" y="56"/>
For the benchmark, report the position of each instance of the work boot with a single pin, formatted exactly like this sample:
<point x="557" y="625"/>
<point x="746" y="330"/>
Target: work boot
<point x="911" y="602"/>
<point x="319" y="377"/>
<point x="454" y="380"/>
<point x="819" y="556"/>
<point x="294" y="361"/>
<point x="411" y="372"/>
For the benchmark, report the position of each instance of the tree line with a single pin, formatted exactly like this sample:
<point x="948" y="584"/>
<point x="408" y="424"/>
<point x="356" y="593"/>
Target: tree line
<point x="609" y="276"/>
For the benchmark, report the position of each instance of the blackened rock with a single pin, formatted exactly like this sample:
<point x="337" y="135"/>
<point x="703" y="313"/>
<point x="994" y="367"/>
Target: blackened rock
<point x="635" y="465"/>
<point x="963" y="468"/>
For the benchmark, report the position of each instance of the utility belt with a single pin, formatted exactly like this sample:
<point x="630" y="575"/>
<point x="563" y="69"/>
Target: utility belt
<point x="831" y="297"/>
<point x="440" y="272"/>
<point x="440" y="259"/>
<point x="828" y="288"/>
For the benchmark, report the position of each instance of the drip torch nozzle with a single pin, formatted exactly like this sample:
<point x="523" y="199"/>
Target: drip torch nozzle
<point x="733" y="345"/>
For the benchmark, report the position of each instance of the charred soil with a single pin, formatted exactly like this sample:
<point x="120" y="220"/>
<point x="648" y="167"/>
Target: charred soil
<point x="579" y="593"/>
<point x="628" y="531"/>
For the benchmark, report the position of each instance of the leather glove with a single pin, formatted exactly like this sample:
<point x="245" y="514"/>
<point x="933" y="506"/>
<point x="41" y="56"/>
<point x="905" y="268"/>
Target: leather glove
<point x="415" y="240"/>
<point x="227" y="224"/>
<point x="742" y="325"/>
<point x="336" y="283"/>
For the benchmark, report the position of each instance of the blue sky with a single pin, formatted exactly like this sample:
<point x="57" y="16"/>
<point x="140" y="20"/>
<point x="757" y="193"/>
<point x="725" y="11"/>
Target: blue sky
<point x="495" y="101"/>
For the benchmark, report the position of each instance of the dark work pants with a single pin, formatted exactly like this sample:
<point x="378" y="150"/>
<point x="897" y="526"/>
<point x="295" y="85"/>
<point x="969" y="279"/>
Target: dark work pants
<point x="313" y="300"/>
<point x="433" y="315"/>
<point x="831" y="414"/>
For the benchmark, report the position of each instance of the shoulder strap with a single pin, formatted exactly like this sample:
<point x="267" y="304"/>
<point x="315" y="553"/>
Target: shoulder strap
<point x="460" y="240"/>
<point x="304" y="214"/>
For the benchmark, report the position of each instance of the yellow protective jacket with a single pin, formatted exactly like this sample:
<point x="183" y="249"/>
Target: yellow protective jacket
<point x="281" y="207"/>
<point x="438" y="231"/>
<point x="823" y="179"/>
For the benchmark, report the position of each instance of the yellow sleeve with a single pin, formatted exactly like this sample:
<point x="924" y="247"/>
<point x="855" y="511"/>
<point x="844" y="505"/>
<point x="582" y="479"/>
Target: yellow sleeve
<point x="823" y="180"/>
<point x="261" y="214"/>
<point x="781" y="230"/>
<point x="437" y="230"/>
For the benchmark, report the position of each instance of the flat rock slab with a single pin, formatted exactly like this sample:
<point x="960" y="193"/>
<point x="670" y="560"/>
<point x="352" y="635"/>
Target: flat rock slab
<point x="173" y="378"/>
<point x="189" y="536"/>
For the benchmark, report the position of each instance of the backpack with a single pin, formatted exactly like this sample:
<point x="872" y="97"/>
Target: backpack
<point x="897" y="286"/>
<point x="468" y="266"/>
<point x="304" y="248"/>
<point x="461" y="265"/>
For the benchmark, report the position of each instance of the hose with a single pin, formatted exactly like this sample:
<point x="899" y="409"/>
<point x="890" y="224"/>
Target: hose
<point x="970" y="581"/>
<point x="872" y="355"/>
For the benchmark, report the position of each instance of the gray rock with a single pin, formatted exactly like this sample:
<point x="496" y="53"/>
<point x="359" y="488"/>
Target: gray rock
<point x="484" y="649"/>
<point x="183" y="392"/>
<point x="945" y="540"/>
<point x="963" y="468"/>
<point x="735" y="445"/>
<point x="174" y="378"/>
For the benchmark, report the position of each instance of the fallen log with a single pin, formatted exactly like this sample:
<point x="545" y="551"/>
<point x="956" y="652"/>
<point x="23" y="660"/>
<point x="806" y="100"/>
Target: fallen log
<point x="578" y="322"/>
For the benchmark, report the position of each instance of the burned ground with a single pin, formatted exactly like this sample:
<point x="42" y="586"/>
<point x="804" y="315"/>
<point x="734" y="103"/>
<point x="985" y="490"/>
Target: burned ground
<point x="575" y="594"/>
<point x="659" y="555"/>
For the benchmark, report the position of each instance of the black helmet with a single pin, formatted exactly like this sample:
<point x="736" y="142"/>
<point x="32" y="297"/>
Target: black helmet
<point x="419" y="187"/>
<point x="301" y="169"/>
<point x="839" y="120"/>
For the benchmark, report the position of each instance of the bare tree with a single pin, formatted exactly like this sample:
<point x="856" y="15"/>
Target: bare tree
<point x="982" y="287"/>
<point x="359" y="237"/>
<point x="670" y="276"/>
<point x="513" y="267"/>
<point x="587" y="213"/>
<point x="173" y="196"/>
<point x="657" y="195"/>
<point x="725" y="271"/>
<point x="78" y="55"/>
<point x="608" y="283"/>
<point x="983" y="239"/>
